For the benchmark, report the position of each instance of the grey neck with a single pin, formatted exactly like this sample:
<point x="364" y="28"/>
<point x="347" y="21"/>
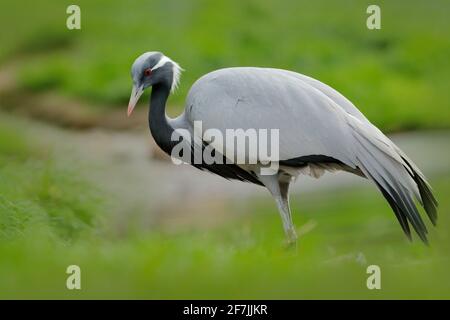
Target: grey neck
<point x="160" y="128"/>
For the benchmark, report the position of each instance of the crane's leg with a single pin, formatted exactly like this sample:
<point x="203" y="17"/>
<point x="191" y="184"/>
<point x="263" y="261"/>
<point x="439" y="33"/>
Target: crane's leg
<point x="289" y="227"/>
<point x="280" y="191"/>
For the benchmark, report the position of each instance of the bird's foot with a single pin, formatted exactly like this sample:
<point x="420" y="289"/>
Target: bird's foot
<point x="291" y="239"/>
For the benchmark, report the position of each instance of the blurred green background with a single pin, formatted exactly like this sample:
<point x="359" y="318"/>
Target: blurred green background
<point x="62" y="90"/>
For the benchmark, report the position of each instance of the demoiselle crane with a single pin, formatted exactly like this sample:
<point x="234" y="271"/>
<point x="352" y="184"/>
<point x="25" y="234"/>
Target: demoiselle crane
<point x="318" y="130"/>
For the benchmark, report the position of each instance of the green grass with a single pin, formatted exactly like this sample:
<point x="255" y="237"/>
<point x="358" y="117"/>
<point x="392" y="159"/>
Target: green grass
<point x="398" y="76"/>
<point x="243" y="259"/>
<point x="49" y="220"/>
<point x="37" y="196"/>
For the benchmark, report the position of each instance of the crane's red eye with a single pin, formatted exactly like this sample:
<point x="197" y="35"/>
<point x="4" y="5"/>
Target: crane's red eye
<point x="148" y="72"/>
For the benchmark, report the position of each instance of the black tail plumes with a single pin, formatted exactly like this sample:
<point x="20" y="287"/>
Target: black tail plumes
<point x="398" y="179"/>
<point x="429" y="202"/>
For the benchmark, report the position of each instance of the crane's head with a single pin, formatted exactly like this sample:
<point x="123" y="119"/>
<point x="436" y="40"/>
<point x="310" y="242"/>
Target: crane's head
<point x="149" y="69"/>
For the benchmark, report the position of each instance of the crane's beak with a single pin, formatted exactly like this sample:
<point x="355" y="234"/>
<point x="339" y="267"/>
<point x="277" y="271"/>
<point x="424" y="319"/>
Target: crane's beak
<point x="135" y="95"/>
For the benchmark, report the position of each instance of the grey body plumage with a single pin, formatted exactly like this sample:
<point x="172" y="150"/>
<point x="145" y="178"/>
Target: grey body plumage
<point x="319" y="130"/>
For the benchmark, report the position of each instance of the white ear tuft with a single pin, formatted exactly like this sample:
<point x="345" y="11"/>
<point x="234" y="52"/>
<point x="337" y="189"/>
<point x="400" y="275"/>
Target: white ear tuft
<point x="176" y="75"/>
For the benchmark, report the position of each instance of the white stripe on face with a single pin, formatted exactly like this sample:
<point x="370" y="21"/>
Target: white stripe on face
<point x="176" y="70"/>
<point x="161" y="62"/>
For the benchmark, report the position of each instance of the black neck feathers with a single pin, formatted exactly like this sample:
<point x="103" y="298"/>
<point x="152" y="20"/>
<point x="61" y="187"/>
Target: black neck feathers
<point x="159" y="126"/>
